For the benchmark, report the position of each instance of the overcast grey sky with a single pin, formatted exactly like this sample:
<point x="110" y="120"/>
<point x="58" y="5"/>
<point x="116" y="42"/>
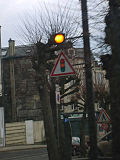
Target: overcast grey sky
<point x="10" y="11"/>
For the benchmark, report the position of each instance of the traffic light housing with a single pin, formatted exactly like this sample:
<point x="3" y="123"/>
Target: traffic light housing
<point x="62" y="65"/>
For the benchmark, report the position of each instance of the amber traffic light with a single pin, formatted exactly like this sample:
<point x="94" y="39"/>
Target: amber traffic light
<point x="59" y="38"/>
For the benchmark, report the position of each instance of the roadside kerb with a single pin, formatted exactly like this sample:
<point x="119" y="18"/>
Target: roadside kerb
<point x="99" y="158"/>
<point x="13" y="148"/>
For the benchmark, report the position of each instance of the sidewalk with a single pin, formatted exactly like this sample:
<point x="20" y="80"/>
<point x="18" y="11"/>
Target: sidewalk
<point x="37" y="146"/>
<point x="21" y="147"/>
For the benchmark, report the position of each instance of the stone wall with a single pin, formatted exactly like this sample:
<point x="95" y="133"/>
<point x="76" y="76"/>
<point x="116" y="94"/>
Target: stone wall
<point x="26" y="92"/>
<point x="6" y="97"/>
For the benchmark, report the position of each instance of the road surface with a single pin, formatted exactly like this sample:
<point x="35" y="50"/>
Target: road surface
<point x="31" y="154"/>
<point x="34" y="154"/>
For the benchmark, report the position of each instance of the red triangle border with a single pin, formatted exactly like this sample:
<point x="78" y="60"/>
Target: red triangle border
<point x="103" y="111"/>
<point x="62" y="74"/>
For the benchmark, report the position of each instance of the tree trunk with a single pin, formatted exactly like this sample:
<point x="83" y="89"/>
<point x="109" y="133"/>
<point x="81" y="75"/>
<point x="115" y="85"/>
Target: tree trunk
<point x="53" y="152"/>
<point x="68" y="140"/>
<point x="113" y="39"/>
<point x="53" y="104"/>
<point x="82" y="136"/>
<point x="44" y="92"/>
<point x="56" y="145"/>
<point x="64" y="148"/>
<point x="65" y="132"/>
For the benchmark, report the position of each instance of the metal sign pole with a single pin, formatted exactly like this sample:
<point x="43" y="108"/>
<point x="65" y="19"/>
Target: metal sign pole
<point x="57" y="108"/>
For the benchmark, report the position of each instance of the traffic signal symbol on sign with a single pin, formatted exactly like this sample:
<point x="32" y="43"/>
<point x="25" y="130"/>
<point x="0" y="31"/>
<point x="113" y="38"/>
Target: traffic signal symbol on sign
<point x="62" y="67"/>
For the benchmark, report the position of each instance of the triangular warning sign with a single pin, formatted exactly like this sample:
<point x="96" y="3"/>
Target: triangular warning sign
<point x="103" y="117"/>
<point x="62" y="67"/>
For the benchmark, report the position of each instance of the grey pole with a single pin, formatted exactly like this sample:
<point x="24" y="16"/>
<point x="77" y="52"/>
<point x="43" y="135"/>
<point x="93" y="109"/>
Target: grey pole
<point x="89" y="83"/>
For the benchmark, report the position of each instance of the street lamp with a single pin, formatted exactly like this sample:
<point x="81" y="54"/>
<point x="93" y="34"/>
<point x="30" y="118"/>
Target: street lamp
<point x="59" y="38"/>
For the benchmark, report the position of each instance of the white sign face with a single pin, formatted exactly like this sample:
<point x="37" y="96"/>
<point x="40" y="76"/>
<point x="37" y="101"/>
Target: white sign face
<point x="57" y="97"/>
<point x="62" y="67"/>
<point x="29" y="132"/>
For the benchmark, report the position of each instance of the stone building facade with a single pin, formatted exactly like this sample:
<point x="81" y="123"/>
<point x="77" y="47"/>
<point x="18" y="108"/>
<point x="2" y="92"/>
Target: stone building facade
<point x="76" y="57"/>
<point x="20" y="94"/>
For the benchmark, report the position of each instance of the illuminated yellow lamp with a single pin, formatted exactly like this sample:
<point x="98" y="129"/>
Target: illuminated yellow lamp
<point x="59" y="38"/>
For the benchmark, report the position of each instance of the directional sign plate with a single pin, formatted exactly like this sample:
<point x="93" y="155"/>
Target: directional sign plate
<point x="67" y="70"/>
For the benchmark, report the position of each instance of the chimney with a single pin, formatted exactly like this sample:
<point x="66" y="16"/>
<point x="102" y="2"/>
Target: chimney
<point x="11" y="47"/>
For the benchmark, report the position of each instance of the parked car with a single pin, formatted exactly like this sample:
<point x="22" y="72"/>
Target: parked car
<point x="105" y="145"/>
<point x="75" y="146"/>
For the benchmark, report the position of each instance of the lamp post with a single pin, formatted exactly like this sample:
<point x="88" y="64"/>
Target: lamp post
<point x="57" y="109"/>
<point x="59" y="38"/>
<point x="89" y="83"/>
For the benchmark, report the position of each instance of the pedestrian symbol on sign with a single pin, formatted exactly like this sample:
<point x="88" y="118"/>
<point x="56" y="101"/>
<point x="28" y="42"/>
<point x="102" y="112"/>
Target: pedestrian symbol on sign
<point x="103" y="117"/>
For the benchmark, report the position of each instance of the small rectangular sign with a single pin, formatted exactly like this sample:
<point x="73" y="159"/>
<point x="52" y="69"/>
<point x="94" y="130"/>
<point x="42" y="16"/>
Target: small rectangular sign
<point x="57" y="97"/>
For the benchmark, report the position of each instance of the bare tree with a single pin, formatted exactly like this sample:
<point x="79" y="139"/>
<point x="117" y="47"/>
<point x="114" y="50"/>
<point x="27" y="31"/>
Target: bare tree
<point x="38" y="30"/>
<point x="102" y="96"/>
<point x="47" y="21"/>
<point x="97" y="11"/>
<point x="112" y="66"/>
